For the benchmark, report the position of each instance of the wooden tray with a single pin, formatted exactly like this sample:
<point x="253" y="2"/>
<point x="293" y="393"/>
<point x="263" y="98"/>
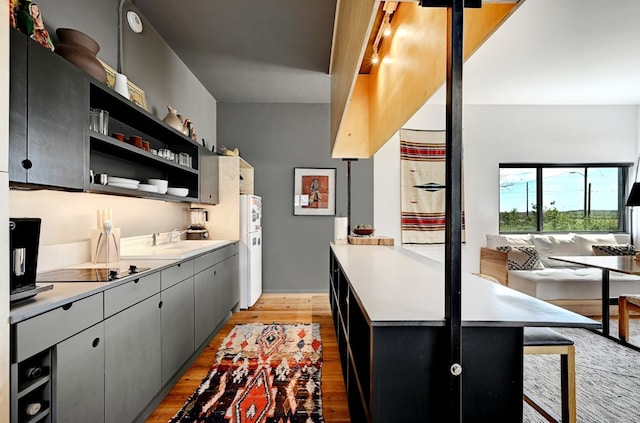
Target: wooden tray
<point x="370" y="240"/>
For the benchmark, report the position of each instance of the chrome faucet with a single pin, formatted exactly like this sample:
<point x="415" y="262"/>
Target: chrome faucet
<point x="154" y="240"/>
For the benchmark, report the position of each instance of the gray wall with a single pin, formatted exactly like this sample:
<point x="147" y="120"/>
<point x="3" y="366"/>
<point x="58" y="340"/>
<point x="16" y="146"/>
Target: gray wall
<point x="275" y="138"/>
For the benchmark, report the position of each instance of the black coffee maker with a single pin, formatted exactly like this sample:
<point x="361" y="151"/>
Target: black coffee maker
<point x="24" y="240"/>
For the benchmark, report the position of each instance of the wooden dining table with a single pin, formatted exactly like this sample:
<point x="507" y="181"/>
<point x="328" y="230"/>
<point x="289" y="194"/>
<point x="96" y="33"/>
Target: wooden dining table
<point x="621" y="264"/>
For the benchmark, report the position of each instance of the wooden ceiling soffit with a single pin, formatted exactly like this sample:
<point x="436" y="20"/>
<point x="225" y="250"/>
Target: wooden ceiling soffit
<point x="352" y="26"/>
<point x="412" y="67"/>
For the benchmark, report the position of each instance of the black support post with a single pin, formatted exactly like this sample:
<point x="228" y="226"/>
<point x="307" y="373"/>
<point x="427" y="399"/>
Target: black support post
<point x="453" y="228"/>
<point x="453" y="239"/>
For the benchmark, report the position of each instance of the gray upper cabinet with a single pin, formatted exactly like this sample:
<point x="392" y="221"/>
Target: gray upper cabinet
<point x="47" y="127"/>
<point x="18" y="109"/>
<point x="208" y="177"/>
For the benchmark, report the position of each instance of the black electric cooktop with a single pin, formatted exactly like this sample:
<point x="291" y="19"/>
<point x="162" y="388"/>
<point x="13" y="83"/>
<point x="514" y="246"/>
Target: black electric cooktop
<point x="88" y="275"/>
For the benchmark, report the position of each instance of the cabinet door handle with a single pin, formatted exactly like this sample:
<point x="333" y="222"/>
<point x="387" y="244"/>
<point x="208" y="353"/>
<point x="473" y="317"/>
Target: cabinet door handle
<point x="67" y="306"/>
<point x="136" y="280"/>
<point x="27" y="164"/>
<point x="179" y="264"/>
<point x="95" y="342"/>
<point x="160" y="304"/>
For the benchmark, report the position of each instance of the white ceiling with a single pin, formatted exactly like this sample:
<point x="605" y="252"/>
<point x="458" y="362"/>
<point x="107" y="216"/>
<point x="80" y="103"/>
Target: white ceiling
<point x="559" y="52"/>
<point x="547" y="52"/>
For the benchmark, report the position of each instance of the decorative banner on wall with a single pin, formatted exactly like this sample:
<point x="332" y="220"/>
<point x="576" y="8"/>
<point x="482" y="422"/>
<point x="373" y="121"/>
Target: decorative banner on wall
<point x="423" y="187"/>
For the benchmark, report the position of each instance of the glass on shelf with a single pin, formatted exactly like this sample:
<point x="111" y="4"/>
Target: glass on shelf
<point x="99" y="121"/>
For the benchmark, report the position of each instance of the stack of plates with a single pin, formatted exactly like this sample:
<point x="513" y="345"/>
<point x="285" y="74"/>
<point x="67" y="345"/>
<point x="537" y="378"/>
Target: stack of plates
<point x="114" y="181"/>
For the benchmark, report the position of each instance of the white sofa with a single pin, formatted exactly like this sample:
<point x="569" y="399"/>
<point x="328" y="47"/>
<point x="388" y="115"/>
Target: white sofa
<point x="575" y="287"/>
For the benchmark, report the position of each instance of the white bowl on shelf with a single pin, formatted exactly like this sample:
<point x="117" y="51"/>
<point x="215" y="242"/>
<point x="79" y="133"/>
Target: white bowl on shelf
<point x="148" y="188"/>
<point x="178" y="192"/>
<point x="162" y="185"/>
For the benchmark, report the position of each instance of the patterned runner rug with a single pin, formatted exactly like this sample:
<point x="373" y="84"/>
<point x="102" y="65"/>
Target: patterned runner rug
<point x="262" y="373"/>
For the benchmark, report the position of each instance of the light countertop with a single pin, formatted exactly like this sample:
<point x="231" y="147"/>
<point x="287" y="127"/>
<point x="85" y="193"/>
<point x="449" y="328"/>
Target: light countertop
<point x="67" y="292"/>
<point x="397" y="286"/>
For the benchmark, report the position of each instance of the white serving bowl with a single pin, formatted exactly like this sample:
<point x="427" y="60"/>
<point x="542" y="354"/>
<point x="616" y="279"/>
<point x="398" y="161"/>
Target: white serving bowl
<point x="178" y="192"/>
<point x="148" y="188"/>
<point x="161" y="184"/>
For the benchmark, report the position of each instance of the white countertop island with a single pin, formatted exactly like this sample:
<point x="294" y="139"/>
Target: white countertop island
<point x="395" y="285"/>
<point x="388" y="307"/>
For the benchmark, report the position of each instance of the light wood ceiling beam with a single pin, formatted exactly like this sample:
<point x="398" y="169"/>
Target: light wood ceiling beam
<point x="412" y="68"/>
<point x="354" y="20"/>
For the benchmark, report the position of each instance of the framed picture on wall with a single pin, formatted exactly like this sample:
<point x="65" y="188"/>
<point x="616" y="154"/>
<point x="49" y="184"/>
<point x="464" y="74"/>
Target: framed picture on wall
<point x="314" y="191"/>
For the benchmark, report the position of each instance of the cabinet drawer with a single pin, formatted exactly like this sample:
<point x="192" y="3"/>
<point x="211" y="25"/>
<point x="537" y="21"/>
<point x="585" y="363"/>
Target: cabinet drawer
<point x="47" y="329"/>
<point x="177" y="273"/>
<point x="132" y="292"/>
<point x="215" y="257"/>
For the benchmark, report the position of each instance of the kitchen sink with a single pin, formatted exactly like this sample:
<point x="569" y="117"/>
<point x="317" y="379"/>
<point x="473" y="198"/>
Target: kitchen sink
<point x="178" y="250"/>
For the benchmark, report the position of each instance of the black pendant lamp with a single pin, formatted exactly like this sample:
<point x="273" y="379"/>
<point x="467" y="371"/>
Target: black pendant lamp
<point x="632" y="201"/>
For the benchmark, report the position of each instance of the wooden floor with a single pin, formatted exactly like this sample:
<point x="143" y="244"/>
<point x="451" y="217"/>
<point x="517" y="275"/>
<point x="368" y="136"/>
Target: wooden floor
<point x="270" y="308"/>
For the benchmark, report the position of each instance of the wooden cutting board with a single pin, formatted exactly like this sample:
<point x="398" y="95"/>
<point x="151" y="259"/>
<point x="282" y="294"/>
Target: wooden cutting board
<point x="370" y="240"/>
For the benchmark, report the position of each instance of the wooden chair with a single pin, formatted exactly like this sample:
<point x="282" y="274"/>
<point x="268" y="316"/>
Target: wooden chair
<point x="541" y="340"/>
<point x="626" y="304"/>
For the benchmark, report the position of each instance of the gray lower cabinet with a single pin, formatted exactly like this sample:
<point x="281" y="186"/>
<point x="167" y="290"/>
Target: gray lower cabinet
<point x="227" y="287"/>
<point x="208" y="177"/>
<point x="205" y="304"/>
<point x="79" y="377"/>
<point x="105" y="357"/>
<point x="177" y="326"/>
<point x="217" y="290"/>
<point x="132" y="360"/>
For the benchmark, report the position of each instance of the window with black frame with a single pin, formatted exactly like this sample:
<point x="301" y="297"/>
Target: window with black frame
<point x="562" y="198"/>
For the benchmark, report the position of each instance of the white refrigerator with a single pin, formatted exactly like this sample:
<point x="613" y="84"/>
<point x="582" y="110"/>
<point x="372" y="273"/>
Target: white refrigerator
<point x="250" y="250"/>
